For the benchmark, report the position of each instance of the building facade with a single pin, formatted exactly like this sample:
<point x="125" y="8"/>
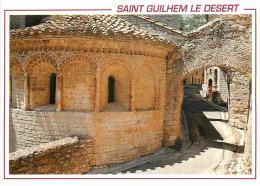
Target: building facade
<point x="218" y="78"/>
<point x="196" y="77"/>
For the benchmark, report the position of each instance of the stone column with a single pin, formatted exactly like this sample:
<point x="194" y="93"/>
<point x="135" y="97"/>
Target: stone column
<point x="133" y="109"/>
<point x="98" y="91"/>
<point x="59" y="89"/>
<point x="26" y="92"/>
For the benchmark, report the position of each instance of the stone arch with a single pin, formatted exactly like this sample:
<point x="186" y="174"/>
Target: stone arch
<point x="39" y="77"/>
<point x="122" y="75"/>
<point x="16" y="83"/>
<point x="37" y="59"/>
<point x="145" y="88"/>
<point x="79" y="83"/>
<point x="236" y="93"/>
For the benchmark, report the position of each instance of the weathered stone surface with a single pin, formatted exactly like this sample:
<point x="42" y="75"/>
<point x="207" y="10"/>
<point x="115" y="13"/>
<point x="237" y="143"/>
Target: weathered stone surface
<point x="54" y="157"/>
<point x="225" y="41"/>
<point x="150" y="68"/>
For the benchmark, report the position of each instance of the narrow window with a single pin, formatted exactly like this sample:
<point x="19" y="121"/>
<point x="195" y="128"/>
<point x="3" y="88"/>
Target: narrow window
<point x="216" y="76"/>
<point x="111" y="89"/>
<point x="52" y="88"/>
<point x="210" y="82"/>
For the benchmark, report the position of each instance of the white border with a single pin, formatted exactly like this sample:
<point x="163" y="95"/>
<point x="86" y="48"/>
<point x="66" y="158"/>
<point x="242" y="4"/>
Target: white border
<point x="105" y="5"/>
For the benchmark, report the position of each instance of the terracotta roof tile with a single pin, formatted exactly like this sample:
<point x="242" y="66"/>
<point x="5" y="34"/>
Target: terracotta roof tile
<point x="86" y="25"/>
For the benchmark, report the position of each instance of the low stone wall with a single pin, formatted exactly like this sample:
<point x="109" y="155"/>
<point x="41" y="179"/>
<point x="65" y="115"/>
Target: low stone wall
<point x="72" y="155"/>
<point x="118" y="136"/>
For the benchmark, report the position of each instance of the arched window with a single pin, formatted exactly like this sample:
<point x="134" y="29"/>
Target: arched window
<point x="52" y="88"/>
<point x="111" y="89"/>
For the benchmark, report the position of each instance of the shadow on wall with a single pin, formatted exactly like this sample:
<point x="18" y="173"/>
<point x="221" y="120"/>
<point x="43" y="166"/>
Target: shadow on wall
<point x="199" y="126"/>
<point x="33" y="129"/>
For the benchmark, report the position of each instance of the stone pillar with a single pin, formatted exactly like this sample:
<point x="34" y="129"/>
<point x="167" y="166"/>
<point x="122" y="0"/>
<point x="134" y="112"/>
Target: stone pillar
<point x="10" y="89"/>
<point x="98" y="91"/>
<point x="27" y="90"/>
<point x="174" y="95"/>
<point x="133" y="109"/>
<point x="59" y="89"/>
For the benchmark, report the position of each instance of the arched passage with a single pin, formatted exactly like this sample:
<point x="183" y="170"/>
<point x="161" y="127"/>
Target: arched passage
<point x="231" y="90"/>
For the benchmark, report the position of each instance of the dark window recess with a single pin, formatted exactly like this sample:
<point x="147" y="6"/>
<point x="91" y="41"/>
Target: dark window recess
<point x="210" y="82"/>
<point x="52" y="88"/>
<point x="216" y="76"/>
<point x="111" y="89"/>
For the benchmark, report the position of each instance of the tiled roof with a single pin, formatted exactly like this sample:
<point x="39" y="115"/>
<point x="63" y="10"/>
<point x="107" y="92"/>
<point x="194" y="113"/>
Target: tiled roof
<point x="86" y="25"/>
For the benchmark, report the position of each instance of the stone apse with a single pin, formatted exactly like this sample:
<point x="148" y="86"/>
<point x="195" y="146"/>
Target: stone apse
<point x="110" y="85"/>
<point x="114" y="82"/>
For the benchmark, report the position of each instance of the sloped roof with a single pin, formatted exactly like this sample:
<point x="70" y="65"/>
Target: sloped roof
<point x="161" y="24"/>
<point x="86" y="25"/>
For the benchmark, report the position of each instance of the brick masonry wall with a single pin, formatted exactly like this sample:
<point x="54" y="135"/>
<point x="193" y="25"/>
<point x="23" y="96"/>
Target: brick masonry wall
<point x="71" y="155"/>
<point x="118" y="136"/>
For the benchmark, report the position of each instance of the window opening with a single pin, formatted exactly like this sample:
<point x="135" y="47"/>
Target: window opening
<point x="111" y="89"/>
<point x="52" y="88"/>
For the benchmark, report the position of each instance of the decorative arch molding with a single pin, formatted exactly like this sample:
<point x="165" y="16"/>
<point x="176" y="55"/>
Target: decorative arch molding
<point x="77" y="57"/>
<point x="115" y="60"/>
<point x="37" y="59"/>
